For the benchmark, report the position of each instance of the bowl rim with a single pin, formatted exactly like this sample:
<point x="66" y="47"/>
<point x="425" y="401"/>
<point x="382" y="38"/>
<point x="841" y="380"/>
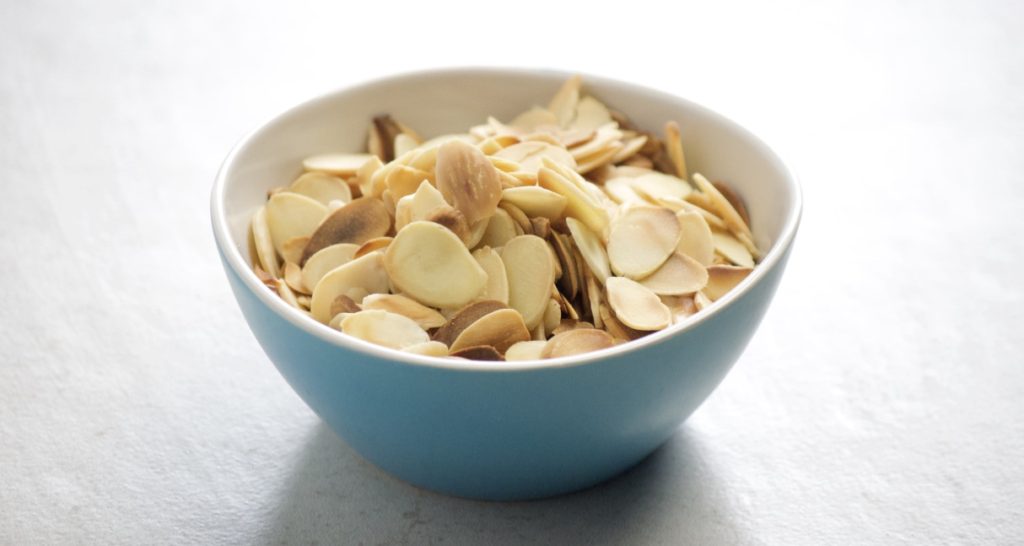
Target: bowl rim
<point x="233" y="256"/>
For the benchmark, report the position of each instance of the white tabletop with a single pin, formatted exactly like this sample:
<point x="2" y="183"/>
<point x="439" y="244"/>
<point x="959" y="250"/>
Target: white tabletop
<point x="880" y="402"/>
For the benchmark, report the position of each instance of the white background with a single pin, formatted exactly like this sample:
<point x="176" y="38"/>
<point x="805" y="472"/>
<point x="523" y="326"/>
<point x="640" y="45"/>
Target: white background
<point x="880" y="402"/>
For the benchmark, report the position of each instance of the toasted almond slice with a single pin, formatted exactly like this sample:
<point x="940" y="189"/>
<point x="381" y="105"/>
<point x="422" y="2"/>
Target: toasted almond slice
<point x="322" y="187"/>
<point x="722" y="206"/>
<point x="723" y="278"/>
<point x="365" y="176"/>
<point x="292" y="215"/>
<point x="343" y="304"/>
<point x="264" y="277"/>
<point x="530" y="276"/>
<point x="499" y="329"/>
<point x="538" y="333"/>
<point x="429" y="348"/>
<point x="528" y="155"/>
<point x="452" y="219"/>
<point x="384" y="328"/>
<point x="576" y="342"/>
<point x="571" y="276"/>
<point x="293" y="276"/>
<point x="353" y="279"/>
<point x="541" y="226"/>
<point x="727" y="245"/>
<point x="536" y="201"/>
<point x="642" y="237"/>
<point x="579" y="204"/>
<point x="591" y="114"/>
<point x="403" y="180"/>
<point x="377" y="243"/>
<point x="552" y="316"/>
<point x="533" y="118"/>
<point x="590" y="248"/>
<point x="264" y="243"/>
<point x="629" y="149"/>
<point x="325" y="260"/>
<point x="563" y="104"/>
<point x="467" y="180"/>
<point x="568" y="324"/>
<point x="695" y="240"/>
<point x="292" y="249"/>
<point x="424" y="316"/>
<point x="680" y="274"/>
<point x="357" y="222"/>
<point x="525" y="350"/>
<point x="655" y="186"/>
<point x="674" y="147"/>
<point x="497" y="280"/>
<point x="636" y="306"/>
<point x="404" y="143"/>
<point x="480" y="352"/>
<point x="463" y="318"/>
<point x="344" y="165"/>
<point x="500" y="229"/>
<point x="430" y="264"/>
<point x="616" y="328"/>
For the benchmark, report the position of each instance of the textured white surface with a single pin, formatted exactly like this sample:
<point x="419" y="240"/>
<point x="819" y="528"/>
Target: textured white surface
<point x="881" y="400"/>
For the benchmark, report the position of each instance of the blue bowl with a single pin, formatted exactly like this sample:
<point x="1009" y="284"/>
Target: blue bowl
<point x="501" y="430"/>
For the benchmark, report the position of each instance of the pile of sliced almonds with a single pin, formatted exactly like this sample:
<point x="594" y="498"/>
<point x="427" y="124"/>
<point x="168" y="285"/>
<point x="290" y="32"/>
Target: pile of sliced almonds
<point x="564" y="231"/>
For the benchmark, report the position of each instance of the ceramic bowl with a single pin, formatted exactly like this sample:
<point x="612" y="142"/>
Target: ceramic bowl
<point x="501" y="430"/>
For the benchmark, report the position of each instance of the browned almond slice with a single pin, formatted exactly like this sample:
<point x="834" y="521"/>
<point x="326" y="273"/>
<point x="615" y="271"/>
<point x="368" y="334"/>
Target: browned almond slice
<point x="322" y="187"/>
<point x="264" y="277"/>
<point x="384" y="328"/>
<point x="568" y="324"/>
<point x="722" y="206"/>
<point x="424" y="316"/>
<point x="292" y="249"/>
<point x="530" y="276"/>
<point x="580" y="204"/>
<point x="357" y="222"/>
<point x="500" y="229"/>
<point x="576" y="342"/>
<point x="695" y="240"/>
<point x="732" y="249"/>
<point x="467" y="180"/>
<point x="571" y="276"/>
<point x="497" y="280"/>
<point x="292" y="215"/>
<point x="636" y="306"/>
<point x="541" y="226"/>
<point x="616" y="328"/>
<point x="429" y="348"/>
<point x="452" y="219"/>
<point x="680" y="274"/>
<point x="655" y="186"/>
<point x="403" y="180"/>
<point x="591" y="114"/>
<point x="430" y="264"/>
<point x="343" y="304"/>
<point x="533" y="118"/>
<point x="365" y="275"/>
<point x="325" y="260"/>
<point x="590" y="248"/>
<point x="536" y="201"/>
<point x="723" y="278"/>
<point x="365" y="176"/>
<point x="464" y="317"/>
<point x="293" y="276"/>
<point x="641" y="238"/>
<point x="563" y="104"/>
<point x="525" y="350"/>
<point x="538" y="333"/>
<point x="377" y="243"/>
<point x="499" y="329"/>
<point x="337" y="164"/>
<point x="674" y="147"/>
<point x="265" y="252"/>
<point x="480" y="352"/>
<point x="528" y="155"/>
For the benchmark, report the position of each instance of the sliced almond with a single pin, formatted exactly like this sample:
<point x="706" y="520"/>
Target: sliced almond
<point x="322" y="187"/>
<point x="357" y="222"/>
<point x="403" y="180"/>
<point x="735" y="251"/>
<point x="366" y="174"/>
<point x="569" y="282"/>
<point x="452" y="219"/>
<point x="722" y="206"/>
<point x="497" y="280"/>
<point x="579" y="204"/>
<point x="695" y="239"/>
<point x="463" y="318"/>
<point x="606" y="137"/>
<point x="576" y="342"/>
<point x="343" y="304"/>
<point x="499" y="329"/>
<point x="734" y="199"/>
<point x="518" y="216"/>
<point x="424" y="316"/>
<point x="552" y="316"/>
<point x="264" y="243"/>
<point x="501" y="228"/>
<point x="590" y="248"/>
<point x="591" y="114"/>
<point x="480" y="352"/>
<point x="353" y="279"/>
<point x="621" y="191"/>
<point x="384" y="328"/>
<point x="377" y="243"/>
<point x="629" y="149"/>
<point x="429" y="348"/>
<point x="655" y="186"/>
<point x="593" y="299"/>
<point x="641" y="238"/>
<point x="476" y="233"/>
<point x="343" y="165"/>
<point x="529" y="155"/>
<point x="430" y="264"/>
<point x="563" y="104"/>
<point x="533" y="118"/>
<point x="674" y="148"/>
<point x="568" y="324"/>
<point x="680" y="306"/>
<point x="293" y="276"/>
<point x="325" y="260"/>
<point x="404" y="143"/>
<point x="616" y="328"/>
<point x="525" y="350"/>
<point x="636" y="306"/>
<point x="536" y="201"/>
<point x="541" y="226"/>
<point x="723" y="278"/>
<point x="467" y="180"/>
<point x="418" y="206"/>
<point x="287" y="295"/>
<point x="701" y="301"/>
<point x="292" y="215"/>
<point x="530" y="276"/>
<point x="292" y="249"/>
<point x="680" y="274"/>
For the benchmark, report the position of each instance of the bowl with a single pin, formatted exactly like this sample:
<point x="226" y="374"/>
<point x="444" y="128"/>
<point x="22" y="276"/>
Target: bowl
<point x="501" y="430"/>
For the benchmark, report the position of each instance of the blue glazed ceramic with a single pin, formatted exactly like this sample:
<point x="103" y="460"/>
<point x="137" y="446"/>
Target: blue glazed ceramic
<point x="501" y="430"/>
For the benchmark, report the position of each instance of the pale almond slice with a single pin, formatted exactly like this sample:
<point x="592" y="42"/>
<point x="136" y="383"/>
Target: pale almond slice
<point x="424" y="316"/>
<point x="599" y="160"/>
<point x="701" y="301"/>
<point x="655" y="186"/>
<point x="354" y="279"/>
<point x="680" y="206"/>
<point x="680" y="274"/>
<point x="723" y="278"/>
<point x="377" y="243"/>
<point x="695" y="240"/>
<point x="404" y="143"/>
<point x="701" y="200"/>
<point x="430" y="263"/>
<point x="467" y="180"/>
<point x="525" y="350"/>
<point x="541" y="227"/>
<point x="593" y="299"/>
<point x="499" y="329"/>
<point x="479" y="352"/>
<point x="533" y="118"/>
<point x="674" y="147"/>
<point x="544" y="135"/>
<point x="429" y="348"/>
<point x="591" y="114"/>
<point x="530" y="276"/>
<point x="322" y="187"/>
<point x="563" y="104"/>
<point x="504" y="165"/>
<point x="568" y="324"/>
<point x="681" y="307"/>
<point x="734" y="199"/>
<point x="589" y="188"/>
<point x="325" y="260"/>
<point x="518" y="216"/>
<point x="636" y="306"/>
<point x="418" y="206"/>
<point x="638" y="160"/>
<point x="304" y="301"/>
<point x="605" y="138"/>
<point x="528" y="155"/>
<point x="463" y="318"/>
<point x="590" y="248"/>
<point x="264" y="244"/>
<point x="293" y="276"/>
<point x="404" y="180"/>
<point x="292" y="215"/>
<point x="616" y="328"/>
<point x="630" y="148"/>
<point x="335" y="321"/>
<point x="441" y="139"/>
<point x="344" y="165"/>
<point x="641" y="238"/>
<point x="579" y="204"/>
<point x="497" y="280"/>
<point x="288" y="295"/>
<point x="727" y="245"/>
<point x="574" y="342"/>
<point x="501" y="228"/>
<point x="621" y="191"/>
<point x="722" y="206"/>
<point x="365" y="176"/>
<point x="476" y="233"/>
<point x="357" y="222"/>
<point x="536" y="201"/>
<point x="291" y="250"/>
<point x="384" y="328"/>
<point x="632" y="171"/>
<point x="552" y="316"/>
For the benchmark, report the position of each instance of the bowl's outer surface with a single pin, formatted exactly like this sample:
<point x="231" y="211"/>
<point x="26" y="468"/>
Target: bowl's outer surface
<point x="526" y="432"/>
